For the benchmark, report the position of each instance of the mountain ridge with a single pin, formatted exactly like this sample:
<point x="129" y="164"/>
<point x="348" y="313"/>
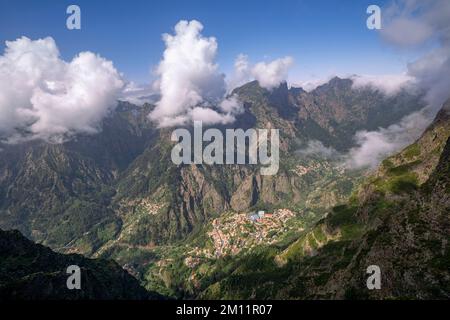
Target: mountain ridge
<point x="33" y="272"/>
<point x="402" y="229"/>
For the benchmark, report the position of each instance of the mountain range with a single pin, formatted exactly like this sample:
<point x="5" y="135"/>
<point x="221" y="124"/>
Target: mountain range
<point x="183" y="231"/>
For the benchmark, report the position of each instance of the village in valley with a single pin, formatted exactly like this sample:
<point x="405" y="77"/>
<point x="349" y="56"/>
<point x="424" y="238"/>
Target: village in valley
<point x="233" y="232"/>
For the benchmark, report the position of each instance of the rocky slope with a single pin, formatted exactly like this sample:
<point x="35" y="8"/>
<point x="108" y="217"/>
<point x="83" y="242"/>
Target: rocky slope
<point x="59" y="194"/>
<point x="399" y="221"/>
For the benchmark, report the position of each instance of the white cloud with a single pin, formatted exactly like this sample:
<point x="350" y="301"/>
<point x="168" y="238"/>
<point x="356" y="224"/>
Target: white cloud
<point x="432" y="73"/>
<point x="231" y="105"/>
<point x="407" y="32"/>
<point x="374" y="146"/>
<point x="388" y="84"/>
<point x="241" y="74"/>
<point x="42" y="96"/>
<point x="414" y="22"/>
<point x="269" y="74"/>
<point x="210" y="116"/>
<point x="311" y="84"/>
<point x="189" y="79"/>
<point x="411" y="23"/>
<point x="139" y="94"/>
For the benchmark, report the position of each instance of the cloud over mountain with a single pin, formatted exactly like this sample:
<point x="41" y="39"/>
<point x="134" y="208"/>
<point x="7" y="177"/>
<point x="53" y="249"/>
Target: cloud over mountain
<point x="388" y="84"/>
<point x="43" y="96"/>
<point x="414" y="23"/>
<point x="189" y="79"/>
<point x="271" y="74"/>
<point x="374" y="146"/>
<point x="411" y="23"/>
<point x="268" y="74"/>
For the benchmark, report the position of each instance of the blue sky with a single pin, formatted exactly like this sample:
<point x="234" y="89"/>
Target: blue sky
<point x="324" y="37"/>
